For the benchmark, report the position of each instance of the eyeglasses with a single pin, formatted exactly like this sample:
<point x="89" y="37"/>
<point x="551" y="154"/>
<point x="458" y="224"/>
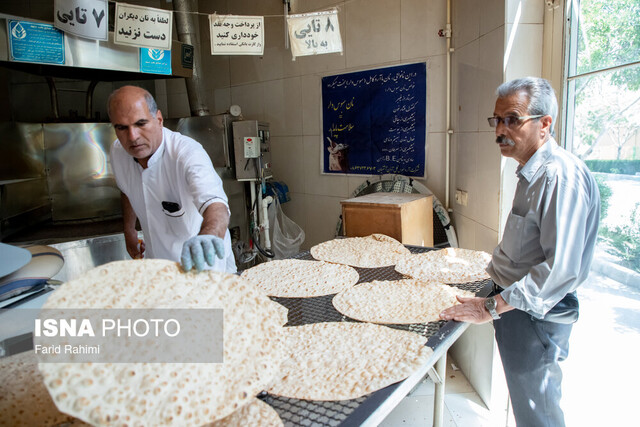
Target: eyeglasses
<point x="510" y="121"/>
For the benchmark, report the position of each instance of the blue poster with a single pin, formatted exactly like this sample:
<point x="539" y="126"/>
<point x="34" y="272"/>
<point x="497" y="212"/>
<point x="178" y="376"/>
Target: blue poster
<point x="35" y="42"/>
<point x="155" y="61"/>
<point x="374" y="122"/>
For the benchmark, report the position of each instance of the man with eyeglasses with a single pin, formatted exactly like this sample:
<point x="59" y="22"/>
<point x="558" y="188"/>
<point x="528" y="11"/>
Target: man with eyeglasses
<point x="545" y="253"/>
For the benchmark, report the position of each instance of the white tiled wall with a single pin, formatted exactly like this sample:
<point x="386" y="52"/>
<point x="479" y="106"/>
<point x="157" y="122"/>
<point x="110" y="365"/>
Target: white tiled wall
<point x="286" y="93"/>
<point x="379" y="33"/>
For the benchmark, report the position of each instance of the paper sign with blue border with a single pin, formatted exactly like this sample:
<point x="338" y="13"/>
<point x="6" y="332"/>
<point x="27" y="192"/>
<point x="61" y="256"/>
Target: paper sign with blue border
<point x="155" y="61"/>
<point x="35" y="42"/>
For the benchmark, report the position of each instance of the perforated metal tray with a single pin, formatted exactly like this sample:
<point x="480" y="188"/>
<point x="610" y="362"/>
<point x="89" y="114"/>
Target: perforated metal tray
<point x="297" y="412"/>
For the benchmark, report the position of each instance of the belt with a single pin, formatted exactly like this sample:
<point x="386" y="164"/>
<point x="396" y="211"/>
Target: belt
<point x="496" y="288"/>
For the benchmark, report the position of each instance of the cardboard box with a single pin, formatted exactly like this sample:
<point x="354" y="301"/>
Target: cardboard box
<point x="407" y="218"/>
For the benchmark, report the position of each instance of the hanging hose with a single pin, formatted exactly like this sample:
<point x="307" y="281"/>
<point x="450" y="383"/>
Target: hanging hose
<point x="256" y="238"/>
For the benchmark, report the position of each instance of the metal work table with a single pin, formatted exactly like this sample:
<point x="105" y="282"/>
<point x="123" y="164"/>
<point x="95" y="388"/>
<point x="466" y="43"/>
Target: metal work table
<point x="371" y="409"/>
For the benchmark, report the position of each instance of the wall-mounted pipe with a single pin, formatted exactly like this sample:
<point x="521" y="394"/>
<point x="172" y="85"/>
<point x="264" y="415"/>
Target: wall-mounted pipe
<point x="189" y="32"/>
<point x="448" y="112"/>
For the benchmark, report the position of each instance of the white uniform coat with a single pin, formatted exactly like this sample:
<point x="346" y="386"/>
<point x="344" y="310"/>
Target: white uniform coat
<point x="180" y="172"/>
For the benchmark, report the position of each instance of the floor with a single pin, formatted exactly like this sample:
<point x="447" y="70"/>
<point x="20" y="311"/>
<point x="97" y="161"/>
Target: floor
<point x="600" y="375"/>
<point x="463" y="406"/>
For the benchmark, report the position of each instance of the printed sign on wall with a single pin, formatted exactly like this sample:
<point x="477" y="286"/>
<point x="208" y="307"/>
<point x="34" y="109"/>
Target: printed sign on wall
<point x="374" y="122"/>
<point x="84" y="18"/>
<point x="155" y="61"/>
<point x="143" y="26"/>
<point x="314" y="33"/>
<point x="236" y="35"/>
<point x="35" y="42"/>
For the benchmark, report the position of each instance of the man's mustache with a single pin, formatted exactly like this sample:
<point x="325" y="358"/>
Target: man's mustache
<point x="504" y="140"/>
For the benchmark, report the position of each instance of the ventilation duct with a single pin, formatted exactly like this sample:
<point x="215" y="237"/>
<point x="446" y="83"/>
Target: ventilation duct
<point x="189" y="32"/>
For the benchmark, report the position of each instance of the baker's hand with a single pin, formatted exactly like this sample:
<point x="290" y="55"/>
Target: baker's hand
<point x="135" y="246"/>
<point x="470" y="310"/>
<point x="199" y="249"/>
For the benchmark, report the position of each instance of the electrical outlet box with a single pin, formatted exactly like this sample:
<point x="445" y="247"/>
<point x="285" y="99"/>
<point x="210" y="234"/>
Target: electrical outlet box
<point x="251" y="147"/>
<point x="252" y="150"/>
<point x="461" y="197"/>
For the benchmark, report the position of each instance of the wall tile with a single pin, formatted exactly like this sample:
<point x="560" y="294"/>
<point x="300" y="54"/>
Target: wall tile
<point x="221" y="100"/>
<point x="314" y="5"/>
<point x="315" y="182"/>
<point x="488" y="181"/>
<point x="474" y="352"/>
<point x="252" y="7"/>
<point x="322" y="214"/>
<point x="527" y="11"/>
<point x="215" y="70"/>
<point x="420" y="22"/>
<point x="287" y="158"/>
<point x="283" y="106"/>
<point x="178" y="105"/>
<point x="177" y="99"/>
<point x="295" y="210"/>
<point x="466" y="25"/>
<point x="250" y="98"/>
<point x="521" y="61"/>
<point x="467" y="87"/>
<point x="275" y="63"/>
<point x="486" y="239"/>
<point x="436" y="93"/>
<point x="466" y="177"/>
<point x="465" y="230"/>
<point x="311" y="101"/>
<point x="492" y="14"/>
<point x="436" y="165"/>
<point x="490" y="74"/>
<point x="372" y="37"/>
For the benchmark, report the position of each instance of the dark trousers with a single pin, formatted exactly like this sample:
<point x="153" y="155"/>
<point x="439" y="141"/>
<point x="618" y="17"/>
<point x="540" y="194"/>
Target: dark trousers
<point x="530" y="350"/>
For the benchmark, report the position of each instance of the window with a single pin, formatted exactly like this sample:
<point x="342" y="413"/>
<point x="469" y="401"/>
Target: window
<point x="602" y="126"/>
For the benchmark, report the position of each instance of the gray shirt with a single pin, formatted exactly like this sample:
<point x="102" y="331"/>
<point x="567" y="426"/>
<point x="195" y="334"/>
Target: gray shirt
<point x="550" y="235"/>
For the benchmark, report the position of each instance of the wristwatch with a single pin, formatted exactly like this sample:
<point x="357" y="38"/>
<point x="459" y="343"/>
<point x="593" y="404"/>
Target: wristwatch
<point x="490" y="304"/>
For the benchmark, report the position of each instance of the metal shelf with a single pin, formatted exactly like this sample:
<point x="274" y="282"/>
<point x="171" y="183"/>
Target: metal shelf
<point x="371" y="409"/>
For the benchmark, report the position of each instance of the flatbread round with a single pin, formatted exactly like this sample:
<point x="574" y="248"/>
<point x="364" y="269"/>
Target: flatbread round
<point x="346" y="360"/>
<point x="24" y="400"/>
<point x="294" y="278"/>
<point x="376" y="250"/>
<point x="450" y="265"/>
<point x="185" y="394"/>
<point x="255" y="414"/>
<point x="397" y="301"/>
<point x="282" y="312"/>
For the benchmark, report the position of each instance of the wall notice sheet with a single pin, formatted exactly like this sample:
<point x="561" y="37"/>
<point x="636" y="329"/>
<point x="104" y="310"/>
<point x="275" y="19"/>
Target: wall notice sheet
<point x="374" y="121"/>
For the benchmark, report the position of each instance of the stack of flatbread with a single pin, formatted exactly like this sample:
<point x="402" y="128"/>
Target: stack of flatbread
<point x="299" y="278"/>
<point x="346" y="360"/>
<point x="24" y="400"/>
<point x="376" y="250"/>
<point x="185" y="394"/>
<point x="397" y="301"/>
<point x="450" y="265"/>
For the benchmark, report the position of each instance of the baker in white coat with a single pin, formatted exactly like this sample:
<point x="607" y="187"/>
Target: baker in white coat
<point x="168" y="182"/>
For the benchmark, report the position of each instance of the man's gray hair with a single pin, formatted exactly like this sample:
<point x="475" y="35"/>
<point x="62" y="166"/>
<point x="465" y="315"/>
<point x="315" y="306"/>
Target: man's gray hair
<point x="151" y="103"/>
<point x="542" y="98"/>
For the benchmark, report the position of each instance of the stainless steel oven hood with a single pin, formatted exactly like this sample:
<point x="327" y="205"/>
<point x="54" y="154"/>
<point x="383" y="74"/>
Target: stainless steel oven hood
<point x="96" y="60"/>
